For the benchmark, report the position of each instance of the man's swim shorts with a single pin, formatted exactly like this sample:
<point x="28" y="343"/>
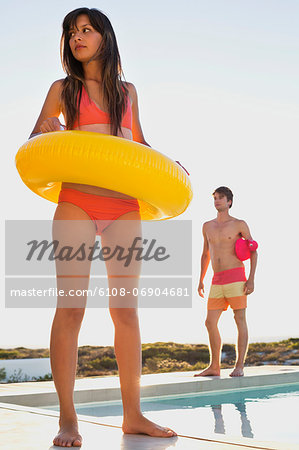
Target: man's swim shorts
<point x="228" y="290"/>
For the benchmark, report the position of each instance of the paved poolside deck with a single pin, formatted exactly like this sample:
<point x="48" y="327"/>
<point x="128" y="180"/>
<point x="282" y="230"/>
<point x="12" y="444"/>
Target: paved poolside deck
<point x="26" y="426"/>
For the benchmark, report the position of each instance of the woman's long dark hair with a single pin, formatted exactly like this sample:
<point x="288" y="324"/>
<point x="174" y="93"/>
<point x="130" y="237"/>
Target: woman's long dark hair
<point x="114" y="90"/>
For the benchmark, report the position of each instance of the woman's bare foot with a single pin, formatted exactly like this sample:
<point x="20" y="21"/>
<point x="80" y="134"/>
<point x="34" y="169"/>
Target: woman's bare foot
<point x="237" y="372"/>
<point x="209" y="372"/>
<point x="141" y="425"/>
<point x="68" y="435"/>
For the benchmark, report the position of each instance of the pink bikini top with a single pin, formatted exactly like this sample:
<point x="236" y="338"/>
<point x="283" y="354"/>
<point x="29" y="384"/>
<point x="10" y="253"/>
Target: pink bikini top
<point x="90" y="113"/>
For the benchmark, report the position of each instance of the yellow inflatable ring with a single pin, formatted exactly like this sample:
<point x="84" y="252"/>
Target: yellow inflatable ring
<point x="160" y="185"/>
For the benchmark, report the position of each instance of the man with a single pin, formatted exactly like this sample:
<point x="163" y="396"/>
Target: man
<point x="229" y="285"/>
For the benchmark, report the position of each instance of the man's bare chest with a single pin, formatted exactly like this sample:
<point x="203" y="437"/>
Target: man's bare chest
<point x="222" y="234"/>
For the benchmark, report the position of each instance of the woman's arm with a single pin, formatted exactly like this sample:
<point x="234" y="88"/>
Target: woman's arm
<point x="51" y="110"/>
<point x="136" y="126"/>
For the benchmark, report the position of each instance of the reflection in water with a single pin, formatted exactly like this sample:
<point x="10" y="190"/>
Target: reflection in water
<point x="246" y="429"/>
<point x="219" y="422"/>
<point x="136" y="442"/>
<point x="191" y="413"/>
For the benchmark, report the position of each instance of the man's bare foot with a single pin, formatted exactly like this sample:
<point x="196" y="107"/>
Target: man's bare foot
<point x="141" y="425"/>
<point x="68" y="436"/>
<point x="237" y="372"/>
<point x="209" y="372"/>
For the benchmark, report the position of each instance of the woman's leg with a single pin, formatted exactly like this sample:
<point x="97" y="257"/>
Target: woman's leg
<point x="123" y="310"/>
<point x="72" y="227"/>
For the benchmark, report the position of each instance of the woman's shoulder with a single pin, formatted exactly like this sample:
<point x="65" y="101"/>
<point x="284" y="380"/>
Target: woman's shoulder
<point x="57" y="85"/>
<point x="132" y="90"/>
<point x="56" y="88"/>
<point x="54" y="94"/>
<point x="129" y="86"/>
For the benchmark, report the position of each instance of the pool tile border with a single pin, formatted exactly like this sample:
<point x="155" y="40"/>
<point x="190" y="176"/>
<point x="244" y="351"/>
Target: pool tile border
<point x="35" y="394"/>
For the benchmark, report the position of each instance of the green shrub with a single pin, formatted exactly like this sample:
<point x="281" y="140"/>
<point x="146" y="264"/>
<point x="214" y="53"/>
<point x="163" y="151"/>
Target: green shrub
<point x="18" y="377"/>
<point x="228" y="348"/>
<point x="108" y="363"/>
<point x="171" y="365"/>
<point x="151" y="352"/>
<point x="9" y="354"/>
<point x="2" y="374"/>
<point x="199" y="366"/>
<point x="152" y="364"/>
<point x="47" y="377"/>
<point x="166" y="365"/>
<point x="104" y="363"/>
<point x="192" y="355"/>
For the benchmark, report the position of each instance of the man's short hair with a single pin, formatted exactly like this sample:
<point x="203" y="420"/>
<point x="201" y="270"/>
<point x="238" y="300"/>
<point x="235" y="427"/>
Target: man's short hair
<point x="225" y="191"/>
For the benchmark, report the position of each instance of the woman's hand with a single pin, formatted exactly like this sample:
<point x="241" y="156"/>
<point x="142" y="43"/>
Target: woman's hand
<point x="50" y="124"/>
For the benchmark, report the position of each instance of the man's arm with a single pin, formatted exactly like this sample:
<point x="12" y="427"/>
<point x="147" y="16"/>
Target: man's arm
<point x="205" y="260"/>
<point x="245" y="232"/>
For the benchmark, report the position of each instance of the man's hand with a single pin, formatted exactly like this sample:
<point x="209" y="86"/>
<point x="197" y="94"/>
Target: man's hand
<point x="201" y="289"/>
<point x="249" y="287"/>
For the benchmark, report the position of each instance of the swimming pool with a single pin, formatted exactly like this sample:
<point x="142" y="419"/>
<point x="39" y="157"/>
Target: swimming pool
<point x="264" y="413"/>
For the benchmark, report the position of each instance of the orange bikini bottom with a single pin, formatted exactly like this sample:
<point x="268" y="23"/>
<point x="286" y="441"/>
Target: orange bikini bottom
<point x="102" y="210"/>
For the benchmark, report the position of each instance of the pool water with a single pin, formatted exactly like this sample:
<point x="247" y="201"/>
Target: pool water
<point x="264" y="413"/>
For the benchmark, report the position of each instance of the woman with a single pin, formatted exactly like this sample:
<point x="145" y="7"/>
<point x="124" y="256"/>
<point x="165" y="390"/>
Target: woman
<point x="93" y="98"/>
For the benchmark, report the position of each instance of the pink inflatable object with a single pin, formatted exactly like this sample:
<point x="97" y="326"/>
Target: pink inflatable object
<point x="183" y="167"/>
<point x="244" y="247"/>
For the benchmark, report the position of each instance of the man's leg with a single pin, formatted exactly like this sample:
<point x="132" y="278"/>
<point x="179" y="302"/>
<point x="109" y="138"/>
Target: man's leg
<point x="215" y="344"/>
<point x="242" y="346"/>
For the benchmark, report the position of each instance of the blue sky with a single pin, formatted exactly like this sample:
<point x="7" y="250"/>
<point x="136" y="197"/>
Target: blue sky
<point x="218" y="90"/>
